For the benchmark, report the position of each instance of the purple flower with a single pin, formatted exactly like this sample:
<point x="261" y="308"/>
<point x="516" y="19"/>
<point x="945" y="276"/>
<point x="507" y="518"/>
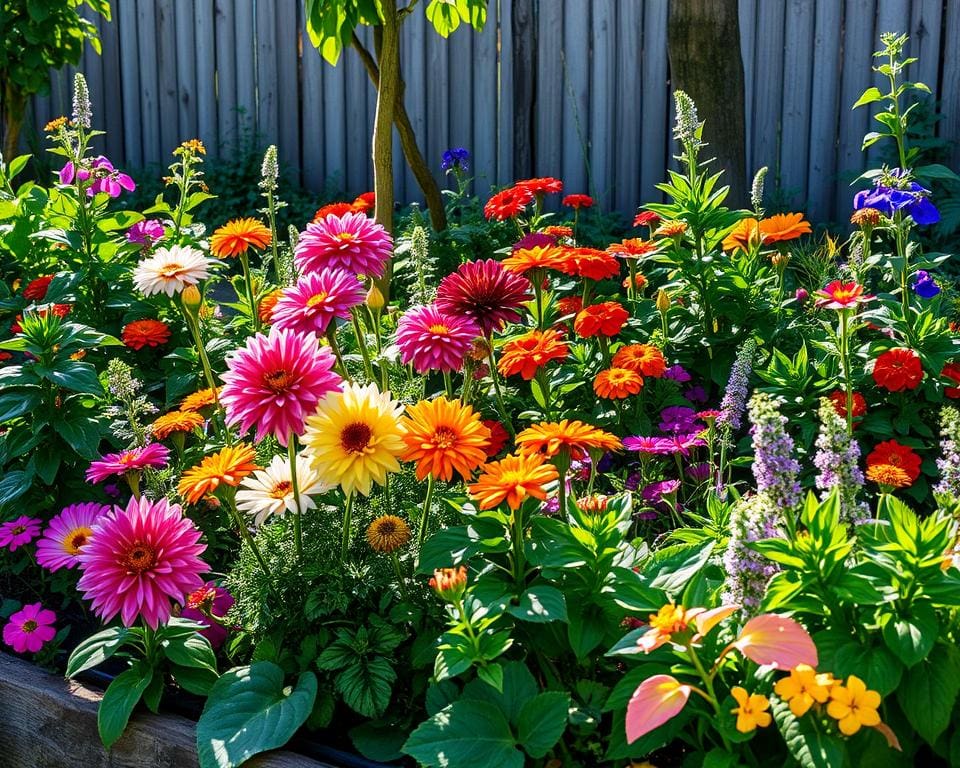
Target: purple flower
<point x="534" y="240"/>
<point x="677" y="373"/>
<point x="659" y="491"/>
<point x="683" y="443"/>
<point x="698" y="472"/>
<point x="892" y="193"/>
<point x="146" y="232"/>
<point x="925" y="287"/>
<point x="551" y="506"/>
<point x="774" y="466"/>
<point x="949" y="464"/>
<point x="801" y="295"/>
<point x="838" y="458"/>
<point x="752" y="518"/>
<point x="696" y="394"/>
<point x="101" y="174"/>
<point x="678" y="418"/>
<point x="738" y="387"/>
<point x="648" y="445"/>
<point x="633" y="481"/>
<point x="456" y="158"/>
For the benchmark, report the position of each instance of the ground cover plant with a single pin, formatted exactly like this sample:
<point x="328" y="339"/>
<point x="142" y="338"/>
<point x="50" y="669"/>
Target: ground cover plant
<point x="688" y="495"/>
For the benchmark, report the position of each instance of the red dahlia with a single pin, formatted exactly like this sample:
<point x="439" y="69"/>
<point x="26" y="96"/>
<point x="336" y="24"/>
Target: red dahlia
<point x="484" y="291"/>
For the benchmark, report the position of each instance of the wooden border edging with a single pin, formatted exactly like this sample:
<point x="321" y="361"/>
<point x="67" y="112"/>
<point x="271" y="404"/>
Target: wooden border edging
<point x="47" y="721"/>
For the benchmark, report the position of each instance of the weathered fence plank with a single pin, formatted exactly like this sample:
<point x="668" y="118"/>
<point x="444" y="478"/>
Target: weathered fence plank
<point x="226" y="73"/>
<point x="950" y="87"/>
<point x="206" y="72"/>
<point x="575" y="75"/>
<point x="797" y="89"/>
<point x="823" y="108"/>
<point x="187" y="108"/>
<point x="655" y="114"/>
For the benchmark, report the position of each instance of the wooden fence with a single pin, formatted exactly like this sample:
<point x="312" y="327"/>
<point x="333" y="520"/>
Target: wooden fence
<point x="577" y="89"/>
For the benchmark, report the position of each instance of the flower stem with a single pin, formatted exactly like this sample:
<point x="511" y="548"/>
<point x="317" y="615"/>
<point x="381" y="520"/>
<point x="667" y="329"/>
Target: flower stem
<point x="251" y="296"/>
<point x="499" y="395"/>
<point x="297" y="527"/>
<point x="362" y="345"/>
<point x="347" y="523"/>
<point x="425" y="515"/>
<point x="845" y="363"/>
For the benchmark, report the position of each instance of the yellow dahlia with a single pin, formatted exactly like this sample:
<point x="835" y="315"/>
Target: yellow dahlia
<point x="175" y="421"/>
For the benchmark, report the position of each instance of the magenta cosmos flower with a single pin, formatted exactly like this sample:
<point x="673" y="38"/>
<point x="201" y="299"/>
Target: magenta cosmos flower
<point x="209" y="600"/>
<point x="353" y="242"/>
<point x="433" y="341"/>
<point x="276" y="381"/>
<point x="30" y="628"/>
<point x="485" y="292"/>
<point x="18" y="532"/>
<point x="139" y="559"/>
<point x="152" y="455"/>
<point x="66" y="533"/>
<point x="146" y="232"/>
<point x="105" y="178"/>
<point x="317" y="298"/>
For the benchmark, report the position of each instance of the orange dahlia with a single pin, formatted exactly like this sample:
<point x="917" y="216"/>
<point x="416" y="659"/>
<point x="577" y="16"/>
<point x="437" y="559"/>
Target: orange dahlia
<point x="893" y="453"/>
<point x="590" y="263"/>
<point x="203" y="398"/>
<point x="528" y="353"/>
<point x="744" y="236"/>
<point x="443" y="436"/>
<point x="558" y="231"/>
<point x="227" y="467"/>
<point x="513" y="479"/>
<point x="604" y="319"/>
<point x="550" y="438"/>
<point x="888" y="475"/>
<point x="175" y="421"/>
<point x="145" y="333"/>
<point x="364" y="202"/>
<point x="538" y="257"/>
<point x="237" y="236"/>
<point x="645" y="359"/>
<point x="783" y="226"/>
<point x="617" y="383"/>
<point x="570" y="305"/>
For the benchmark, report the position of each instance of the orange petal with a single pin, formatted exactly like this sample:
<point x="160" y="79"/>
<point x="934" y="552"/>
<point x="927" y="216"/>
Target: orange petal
<point x="709" y="619"/>
<point x="892" y="741"/>
<point x="777" y="641"/>
<point x="656" y="700"/>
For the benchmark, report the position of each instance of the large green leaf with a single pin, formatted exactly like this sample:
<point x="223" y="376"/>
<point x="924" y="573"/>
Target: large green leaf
<point x="912" y="637"/>
<point x="542" y="722"/>
<point x="119" y="699"/>
<point x="672" y="567"/>
<point x="77" y="377"/>
<point x="366" y="685"/>
<point x="465" y="734"/>
<point x="13" y="485"/>
<point x="929" y="691"/>
<point x="249" y="711"/>
<point x="540" y="603"/>
<point x="96" y="649"/>
<point x="809" y="745"/>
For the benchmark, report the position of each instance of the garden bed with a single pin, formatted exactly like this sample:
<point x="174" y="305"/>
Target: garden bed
<point x="52" y="722"/>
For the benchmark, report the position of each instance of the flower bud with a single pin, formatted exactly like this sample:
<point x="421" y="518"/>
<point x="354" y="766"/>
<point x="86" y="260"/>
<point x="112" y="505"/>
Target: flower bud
<point x="801" y="295"/>
<point x="375" y="299"/>
<point x="191" y="299"/>
<point x="663" y="301"/>
<point x="780" y="260"/>
<point x="450" y="583"/>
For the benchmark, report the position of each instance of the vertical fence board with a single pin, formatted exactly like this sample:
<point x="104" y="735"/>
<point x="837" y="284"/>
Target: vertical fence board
<point x="748" y="38"/>
<point x="631" y="84"/>
<point x="315" y="95"/>
<point x="112" y="117"/>
<point x="797" y="89"/>
<point x="91" y="65"/>
<point x="768" y="87"/>
<point x="245" y="62"/>
<point x="288" y="86"/>
<point x="126" y="20"/>
<point x="412" y="57"/>
<point x="575" y="71"/>
<point x="603" y="97"/>
<point x="149" y="89"/>
<point x="438" y="101"/>
<point x="187" y="48"/>
<point x="460" y="74"/>
<point x="359" y="129"/>
<point x="333" y="111"/>
<point x="823" y="109"/>
<point x="505" y="117"/>
<point x="892" y="16"/>
<point x="226" y="73"/>
<point x="925" y="23"/>
<point x="485" y="124"/>
<point x="167" y="75"/>
<point x="654" y="117"/>
<point x="206" y="73"/>
<point x="950" y="87"/>
<point x="547" y="114"/>
<point x="267" y="82"/>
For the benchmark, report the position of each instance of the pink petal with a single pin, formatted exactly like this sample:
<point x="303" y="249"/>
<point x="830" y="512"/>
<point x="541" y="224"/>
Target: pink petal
<point x="656" y="700"/>
<point x="776" y="641"/>
<point x="707" y="620"/>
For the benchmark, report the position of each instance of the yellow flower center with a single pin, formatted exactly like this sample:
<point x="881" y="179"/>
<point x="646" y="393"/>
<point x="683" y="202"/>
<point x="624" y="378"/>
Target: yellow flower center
<point x="281" y="489"/>
<point x="29" y="626"/>
<point x="278" y="381"/>
<point x="355" y="438"/>
<point x="438" y="329"/>
<point x="77" y="538"/>
<point x="345" y="237"/>
<point x="171" y="269"/>
<point x="317" y="298"/>
<point x="444" y="438"/>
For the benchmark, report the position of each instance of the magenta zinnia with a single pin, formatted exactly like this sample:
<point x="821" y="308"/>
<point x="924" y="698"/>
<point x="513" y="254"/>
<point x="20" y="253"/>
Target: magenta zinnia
<point x="16" y="533"/>
<point x="433" y="341"/>
<point x="276" y="381"/>
<point x="353" y="242"/>
<point x="317" y="299"/>
<point x="151" y="455"/>
<point x="30" y="628"/>
<point x="485" y="292"/>
<point x="139" y="559"/>
<point x="841" y="295"/>
<point x="59" y="547"/>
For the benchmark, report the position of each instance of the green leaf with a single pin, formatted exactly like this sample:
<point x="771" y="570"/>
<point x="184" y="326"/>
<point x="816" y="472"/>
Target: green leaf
<point x="196" y="680"/>
<point x="875" y="665"/>
<point x="366" y="685"/>
<point x="96" y="649"/>
<point x="519" y="687"/>
<point x="912" y="637"/>
<point x="672" y="567"/>
<point x="119" y="699"/>
<point x="928" y="692"/>
<point x="77" y="377"/>
<point x="194" y="650"/>
<point x="465" y="734"/>
<point x="869" y="96"/>
<point x="383" y="743"/>
<point x="539" y="604"/>
<point x="250" y="711"/>
<point x="809" y="746"/>
<point x="585" y="629"/>
<point x="13" y="485"/>
<point x="492" y="675"/>
<point x="542" y="722"/>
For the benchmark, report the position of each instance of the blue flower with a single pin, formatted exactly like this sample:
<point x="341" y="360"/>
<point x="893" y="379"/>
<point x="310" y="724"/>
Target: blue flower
<point x="924" y="286"/>
<point x="906" y="196"/>
<point x="458" y="157"/>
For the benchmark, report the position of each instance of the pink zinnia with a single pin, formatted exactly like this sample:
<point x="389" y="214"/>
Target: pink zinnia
<point x="18" y="532"/>
<point x="152" y="455"/>
<point x="209" y="600"/>
<point x="353" y="242"/>
<point x="433" y="341"/>
<point x="276" y="381"/>
<point x="29" y="629"/>
<point x="66" y="533"/>
<point x="485" y="292"/>
<point x="139" y="559"/>
<point x="317" y="298"/>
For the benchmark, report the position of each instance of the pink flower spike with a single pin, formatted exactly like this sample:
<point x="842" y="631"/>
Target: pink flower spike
<point x="30" y="628"/>
<point x="707" y="620"/>
<point x="657" y="700"/>
<point x="776" y="641"/>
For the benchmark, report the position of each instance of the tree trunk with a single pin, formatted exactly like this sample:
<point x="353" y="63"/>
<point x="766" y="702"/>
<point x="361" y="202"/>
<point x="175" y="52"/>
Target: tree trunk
<point x="14" y="106"/>
<point x="408" y="142"/>
<point x="701" y="36"/>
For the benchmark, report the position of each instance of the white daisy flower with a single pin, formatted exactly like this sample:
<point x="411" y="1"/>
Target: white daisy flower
<point x="269" y="491"/>
<point x="170" y="270"/>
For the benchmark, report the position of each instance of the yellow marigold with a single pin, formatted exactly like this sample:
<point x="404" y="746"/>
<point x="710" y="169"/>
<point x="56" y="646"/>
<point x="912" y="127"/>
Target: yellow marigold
<point x="388" y="533"/>
<point x="55" y="125"/>
<point x="617" y="383"/>
<point x="803" y="688"/>
<point x="574" y="437"/>
<point x="444" y="436"/>
<point x="889" y="475"/>
<point x="193" y="145"/>
<point x="751" y="710"/>
<point x="513" y="479"/>
<point x="199" y="400"/>
<point x="744" y="236"/>
<point x="227" y="467"/>
<point x="866" y="217"/>
<point x="176" y="421"/>
<point x="235" y="237"/>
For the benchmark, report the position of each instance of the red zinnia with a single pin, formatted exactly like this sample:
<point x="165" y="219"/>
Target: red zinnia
<point x="898" y="369"/>
<point x="145" y="333"/>
<point x="590" y="263"/>
<point x="498" y="437"/>
<point x="952" y="371"/>
<point x="36" y="290"/>
<point x="578" y="201"/>
<point x="604" y="319"/>
<point x="570" y="305"/>
<point x="484" y="291"/>
<point x="546" y="185"/>
<point x="336" y="209"/>
<point x="839" y="400"/>
<point x="364" y="203"/>
<point x="894" y="454"/>
<point x="633" y="248"/>
<point x="646" y="219"/>
<point x="507" y="203"/>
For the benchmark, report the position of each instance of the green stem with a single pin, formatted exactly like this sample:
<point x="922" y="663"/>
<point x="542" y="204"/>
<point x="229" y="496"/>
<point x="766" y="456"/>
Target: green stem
<point x="347" y="523"/>
<point x="708" y="682"/>
<point x="401" y="581"/>
<point x="425" y="515"/>
<point x="448" y="384"/>
<point x="297" y="527"/>
<point x="499" y="395"/>
<point x="845" y="364"/>
<point x="245" y="535"/>
<point x="362" y="345"/>
<point x="335" y="348"/>
<point x="251" y="296"/>
<point x="272" y="217"/>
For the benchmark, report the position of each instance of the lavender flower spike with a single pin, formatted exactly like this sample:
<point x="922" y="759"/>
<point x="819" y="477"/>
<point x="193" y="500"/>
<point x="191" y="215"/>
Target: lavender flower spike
<point x="838" y="458"/>
<point x="738" y="388"/>
<point x="752" y="518"/>
<point x="774" y="466"/>
<point x="949" y="463"/>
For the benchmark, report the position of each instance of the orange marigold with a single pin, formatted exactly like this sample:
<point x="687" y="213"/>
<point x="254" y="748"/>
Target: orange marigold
<point x="334" y="209"/>
<point x="783" y="226"/>
<point x="570" y="305"/>
<point x="633" y="248"/>
<point x="175" y="421"/>
<point x="639" y="282"/>
<point x="889" y="475"/>
<point x="604" y="319"/>
<point x="513" y="479"/>
<point x="226" y="467"/>
<point x="558" y="231"/>
<point x="642" y="358"/>
<point x="199" y="400"/>
<point x="590" y="263"/>
<point x="744" y="236"/>
<point x="617" y="383"/>
<point x="236" y="237"/>
<point x="145" y="333"/>
<point x="574" y="437"/>
<point x="526" y="354"/>
<point x="444" y="436"/>
<point x="539" y="257"/>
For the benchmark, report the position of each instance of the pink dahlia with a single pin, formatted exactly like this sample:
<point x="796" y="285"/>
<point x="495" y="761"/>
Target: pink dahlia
<point x="485" y="292"/>
<point x="434" y="341"/>
<point x="276" y="381"/>
<point x="139" y="559"/>
<point x="317" y="298"/>
<point x="353" y="242"/>
<point x="209" y="600"/>
<point x="18" y="532"/>
<point x="66" y="533"/>
<point x="30" y="628"/>
<point x="151" y="455"/>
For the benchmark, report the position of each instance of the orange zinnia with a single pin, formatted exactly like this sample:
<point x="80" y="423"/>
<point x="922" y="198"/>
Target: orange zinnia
<point x="175" y="421"/>
<point x="550" y="438"/>
<point x="783" y="226"/>
<point x="145" y="333"/>
<point x="889" y="475"/>
<point x="671" y="228"/>
<point x="443" y="436"/>
<point x="744" y="236"/>
<point x="633" y="248"/>
<point x="267" y="303"/>
<point x="589" y="262"/>
<point x="558" y="231"/>
<point x="513" y="479"/>
<point x="539" y="257"/>
<point x="528" y="353"/>
<point x="617" y="383"/>
<point x="235" y="237"/>
<point x="199" y="400"/>
<point x="227" y="467"/>
<point x="642" y="358"/>
<point x="334" y="209"/>
<point x="604" y="319"/>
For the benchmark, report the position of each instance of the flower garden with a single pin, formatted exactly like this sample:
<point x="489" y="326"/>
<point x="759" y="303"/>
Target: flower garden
<point x="688" y="496"/>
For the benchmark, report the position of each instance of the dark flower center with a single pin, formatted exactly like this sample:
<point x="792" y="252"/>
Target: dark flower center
<point x="29" y="625"/>
<point x="278" y="381"/>
<point x="140" y="557"/>
<point x="355" y="438"/>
